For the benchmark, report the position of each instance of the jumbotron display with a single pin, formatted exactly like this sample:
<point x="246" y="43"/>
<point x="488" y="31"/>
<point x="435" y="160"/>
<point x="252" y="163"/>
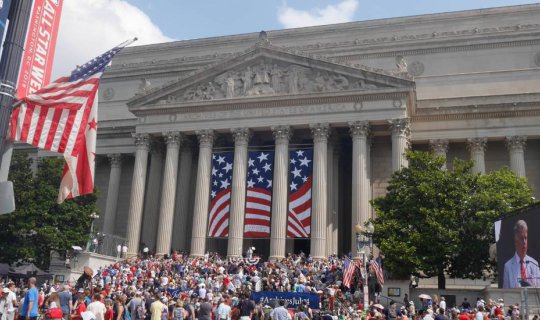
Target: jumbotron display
<point x="518" y="249"/>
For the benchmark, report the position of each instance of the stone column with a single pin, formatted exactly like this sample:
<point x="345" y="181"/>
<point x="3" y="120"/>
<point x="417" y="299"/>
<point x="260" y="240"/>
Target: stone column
<point x="439" y="147"/>
<point x="168" y="194"/>
<point x="238" y="192"/>
<point x="400" y="142"/>
<point x="278" y="236"/>
<point x="183" y="198"/>
<point x="319" y="196"/>
<point x="109" y="220"/>
<point x="477" y="147"/>
<point x="202" y="193"/>
<point x="335" y="200"/>
<point x="152" y="198"/>
<point x="360" y="179"/>
<point x="142" y="144"/>
<point x="516" y="147"/>
<point x="329" y="196"/>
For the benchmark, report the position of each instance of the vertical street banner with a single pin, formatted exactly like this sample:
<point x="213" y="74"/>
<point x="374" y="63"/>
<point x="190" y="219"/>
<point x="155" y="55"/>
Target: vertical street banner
<point x="259" y="194"/>
<point x="300" y="179"/>
<point x="220" y="194"/>
<point x="37" y="61"/>
<point x="4" y="12"/>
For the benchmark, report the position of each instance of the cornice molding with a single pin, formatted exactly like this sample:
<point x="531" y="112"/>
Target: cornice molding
<point x="205" y="61"/>
<point x="473" y="116"/>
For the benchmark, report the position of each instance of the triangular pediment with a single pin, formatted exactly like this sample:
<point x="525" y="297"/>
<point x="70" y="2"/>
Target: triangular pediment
<point x="266" y="70"/>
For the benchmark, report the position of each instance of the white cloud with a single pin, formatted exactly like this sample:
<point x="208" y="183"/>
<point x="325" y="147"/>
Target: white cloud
<point x="91" y="27"/>
<point x="342" y="12"/>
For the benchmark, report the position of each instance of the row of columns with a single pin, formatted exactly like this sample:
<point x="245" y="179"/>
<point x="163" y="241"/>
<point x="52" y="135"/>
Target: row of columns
<point x="324" y="201"/>
<point x="477" y="148"/>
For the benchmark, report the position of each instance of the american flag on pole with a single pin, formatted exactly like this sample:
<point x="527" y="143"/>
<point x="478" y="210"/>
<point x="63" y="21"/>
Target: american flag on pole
<point x="377" y="268"/>
<point x="300" y="176"/>
<point x="62" y="117"/>
<point x="259" y="194"/>
<point x="349" y="267"/>
<point x="220" y="195"/>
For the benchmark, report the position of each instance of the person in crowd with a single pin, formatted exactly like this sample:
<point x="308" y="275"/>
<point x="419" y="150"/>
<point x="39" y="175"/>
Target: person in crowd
<point x="29" y="309"/>
<point x="97" y="307"/>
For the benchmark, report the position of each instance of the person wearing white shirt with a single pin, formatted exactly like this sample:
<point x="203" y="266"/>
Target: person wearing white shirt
<point x="442" y="304"/>
<point x="97" y="307"/>
<point x="521" y="270"/>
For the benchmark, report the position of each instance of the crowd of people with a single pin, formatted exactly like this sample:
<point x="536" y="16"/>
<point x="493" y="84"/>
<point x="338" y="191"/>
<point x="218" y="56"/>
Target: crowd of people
<point x="179" y="287"/>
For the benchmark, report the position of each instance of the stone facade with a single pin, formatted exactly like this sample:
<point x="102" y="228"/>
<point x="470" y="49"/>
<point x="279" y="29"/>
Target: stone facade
<point x="463" y="84"/>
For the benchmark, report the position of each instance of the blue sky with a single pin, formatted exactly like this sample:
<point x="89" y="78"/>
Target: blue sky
<point x="181" y="19"/>
<point x="90" y="27"/>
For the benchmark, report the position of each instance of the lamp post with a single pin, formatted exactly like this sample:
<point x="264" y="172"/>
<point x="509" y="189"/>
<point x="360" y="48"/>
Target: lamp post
<point x="363" y="245"/>
<point x="90" y="242"/>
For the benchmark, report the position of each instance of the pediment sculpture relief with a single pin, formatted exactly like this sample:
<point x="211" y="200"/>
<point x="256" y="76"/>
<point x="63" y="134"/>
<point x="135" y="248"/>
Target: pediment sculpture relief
<point x="262" y="79"/>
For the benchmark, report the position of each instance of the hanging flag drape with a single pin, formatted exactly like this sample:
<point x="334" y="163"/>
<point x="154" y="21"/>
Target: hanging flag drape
<point x="376" y="264"/>
<point x="259" y="194"/>
<point x="220" y="195"/>
<point x="62" y="117"/>
<point x="300" y="176"/>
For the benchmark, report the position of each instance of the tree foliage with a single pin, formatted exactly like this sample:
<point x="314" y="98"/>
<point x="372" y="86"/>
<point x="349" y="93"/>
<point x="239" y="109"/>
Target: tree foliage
<point x="40" y="225"/>
<point x="434" y="221"/>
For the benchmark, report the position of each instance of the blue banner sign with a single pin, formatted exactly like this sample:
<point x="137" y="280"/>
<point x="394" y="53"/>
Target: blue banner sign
<point x="292" y="299"/>
<point x="175" y="293"/>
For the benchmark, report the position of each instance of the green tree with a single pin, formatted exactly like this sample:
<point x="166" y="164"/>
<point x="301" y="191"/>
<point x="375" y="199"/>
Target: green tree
<point x="39" y="225"/>
<point x="434" y="221"/>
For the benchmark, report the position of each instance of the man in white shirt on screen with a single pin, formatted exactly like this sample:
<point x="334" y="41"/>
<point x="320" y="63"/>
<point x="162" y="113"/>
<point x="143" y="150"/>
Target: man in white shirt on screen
<point x="521" y="270"/>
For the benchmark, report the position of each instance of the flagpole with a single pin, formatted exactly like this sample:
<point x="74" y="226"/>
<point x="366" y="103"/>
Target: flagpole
<point x="10" y="62"/>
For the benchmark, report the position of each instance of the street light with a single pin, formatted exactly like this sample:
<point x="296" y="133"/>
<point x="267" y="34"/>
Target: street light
<point x="363" y="245"/>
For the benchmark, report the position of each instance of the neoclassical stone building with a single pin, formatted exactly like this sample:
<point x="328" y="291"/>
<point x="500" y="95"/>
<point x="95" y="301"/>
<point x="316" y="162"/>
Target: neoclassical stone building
<point x="464" y="85"/>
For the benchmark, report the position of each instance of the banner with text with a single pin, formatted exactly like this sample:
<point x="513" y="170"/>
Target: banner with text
<point x="292" y="299"/>
<point x="37" y="62"/>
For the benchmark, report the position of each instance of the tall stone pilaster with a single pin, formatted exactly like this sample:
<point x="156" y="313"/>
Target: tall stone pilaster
<point x="238" y="192"/>
<point x="202" y="193"/>
<point x="439" y="147"/>
<point x="180" y="240"/>
<point x="516" y="148"/>
<point x="330" y="195"/>
<point x="278" y="236"/>
<point x="109" y="221"/>
<point x="320" y="134"/>
<point x="168" y="193"/>
<point x="335" y="199"/>
<point x="360" y="178"/>
<point x="142" y="146"/>
<point x="477" y="147"/>
<point x="400" y="142"/>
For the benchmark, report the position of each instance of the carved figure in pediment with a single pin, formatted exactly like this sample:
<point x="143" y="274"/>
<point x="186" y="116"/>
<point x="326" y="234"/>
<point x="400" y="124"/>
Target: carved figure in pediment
<point x="362" y="84"/>
<point x="189" y="95"/>
<point x="340" y="82"/>
<point x="209" y="91"/>
<point x="230" y="85"/>
<point x="262" y="74"/>
<point x="144" y="85"/>
<point x="292" y="80"/>
<point x="246" y="78"/>
<point x="276" y="74"/>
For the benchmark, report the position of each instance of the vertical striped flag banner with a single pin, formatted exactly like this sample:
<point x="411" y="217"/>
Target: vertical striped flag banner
<point x="300" y="176"/>
<point x="349" y="267"/>
<point x="376" y="265"/>
<point x="38" y="57"/>
<point x="259" y="194"/>
<point x="62" y="117"/>
<point x="220" y="195"/>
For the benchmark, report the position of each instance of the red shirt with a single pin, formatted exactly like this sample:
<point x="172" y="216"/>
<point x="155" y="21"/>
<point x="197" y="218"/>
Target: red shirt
<point x="109" y="314"/>
<point x="463" y="316"/>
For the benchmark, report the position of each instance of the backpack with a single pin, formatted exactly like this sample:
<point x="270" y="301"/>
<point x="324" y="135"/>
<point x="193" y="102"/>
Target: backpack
<point x="141" y="313"/>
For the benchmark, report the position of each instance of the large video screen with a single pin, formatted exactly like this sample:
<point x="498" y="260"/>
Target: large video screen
<point x="518" y="249"/>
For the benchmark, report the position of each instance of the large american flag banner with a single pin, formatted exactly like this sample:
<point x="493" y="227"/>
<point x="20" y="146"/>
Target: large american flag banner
<point x="220" y="195"/>
<point x="62" y="117"/>
<point x="300" y="176"/>
<point x="259" y="194"/>
<point x="349" y="267"/>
